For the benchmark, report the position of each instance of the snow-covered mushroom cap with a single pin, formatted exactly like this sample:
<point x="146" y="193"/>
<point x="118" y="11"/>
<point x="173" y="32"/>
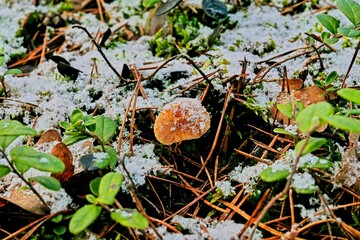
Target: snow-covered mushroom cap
<point x="182" y="119"/>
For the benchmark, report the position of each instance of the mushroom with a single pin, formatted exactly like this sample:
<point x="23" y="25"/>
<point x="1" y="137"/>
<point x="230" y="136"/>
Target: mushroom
<point x="182" y="119"/>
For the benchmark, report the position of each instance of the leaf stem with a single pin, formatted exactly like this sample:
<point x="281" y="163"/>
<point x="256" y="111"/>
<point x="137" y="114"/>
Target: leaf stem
<point x="24" y="180"/>
<point x="287" y="186"/>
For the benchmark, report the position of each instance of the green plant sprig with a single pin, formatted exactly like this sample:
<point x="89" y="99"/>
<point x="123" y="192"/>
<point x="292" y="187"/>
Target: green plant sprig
<point x="99" y="128"/>
<point x="22" y="158"/>
<point x="104" y="191"/>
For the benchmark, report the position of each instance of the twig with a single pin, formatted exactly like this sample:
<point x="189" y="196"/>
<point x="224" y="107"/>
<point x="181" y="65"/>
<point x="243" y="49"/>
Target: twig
<point x="47" y="208"/>
<point x="101" y="52"/>
<point x="287" y="186"/>
<point x="351" y="64"/>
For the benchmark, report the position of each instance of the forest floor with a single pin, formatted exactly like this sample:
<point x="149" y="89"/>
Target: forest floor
<point x="250" y="68"/>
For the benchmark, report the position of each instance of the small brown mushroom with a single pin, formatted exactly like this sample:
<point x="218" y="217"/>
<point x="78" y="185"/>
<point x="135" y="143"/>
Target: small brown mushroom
<point x="182" y="119"/>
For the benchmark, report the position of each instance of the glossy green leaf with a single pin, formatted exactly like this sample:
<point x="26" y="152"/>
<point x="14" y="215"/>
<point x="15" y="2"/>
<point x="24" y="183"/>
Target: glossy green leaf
<point x="149" y="3"/>
<point x="105" y="128"/>
<point x="305" y="190"/>
<point x="331" y="78"/>
<point x="11" y="130"/>
<point x="14" y="128"/>
<point x="310" y="117"/>
<point x="283" y="131"/>
<point x="112" y="155"/>
<point x="4" y="170"/>
<point x="329" y="22"/>
<point x="351" y="10"/>
<point x="48" y="182"/>
<point x="65" y="125"/>
<point x="325" y="35"/>
<point x="58" y="218"/>
<point x="21" y="167"/>
<point x="109" y="186"/>
<point x="269" y="175"/>
<point x="76" y="116"/>
<point x="322" y="163"/>
<point x="59" y="230"/>
<point x="130" y="218"/>
<point x="2" y="60"/>
<point x="91" y="198"/>
<point x="12" y="71"/>
<point x="74" y="138"/>
<point x="286" y="109"/>
<point x="41" y="161"/>
<point x="83" y="218"/>
<point x="95" y="161"/>
<point x="350" y="94"/>
<point x="332" y="40"/>
<point x="343" y="123"/>
<point x="94" y="186"/>
<point x="167" y="6"/>
<point x="349" y="32"/>
<point x="312" y="145"/>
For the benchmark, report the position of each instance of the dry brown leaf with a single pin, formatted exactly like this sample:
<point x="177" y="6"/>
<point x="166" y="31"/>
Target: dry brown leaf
<point x="49" y="136"/>
<point x="294" y="84"/>
<point x="8" y="89"/>
<point x="27" y="200"/>
<point x="349" y="173"/>
<point x="62" y="152"/>
<point x="182" y="119"/>
<point x="307" y="96"/>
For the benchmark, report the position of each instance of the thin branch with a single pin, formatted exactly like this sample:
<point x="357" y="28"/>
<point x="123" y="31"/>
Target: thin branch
<point x="101" y="52"/>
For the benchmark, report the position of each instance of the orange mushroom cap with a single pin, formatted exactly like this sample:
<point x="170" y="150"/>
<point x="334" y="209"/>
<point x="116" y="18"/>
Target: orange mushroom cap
<point x="182" y="119"/>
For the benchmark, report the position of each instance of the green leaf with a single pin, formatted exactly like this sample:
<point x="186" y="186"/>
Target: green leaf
<point x="12" y="71"/>
<point x="58" y="218"/>
<point x="305" y="190"/>
<point x="350" y="94"/>
<point x="76" y="116"/>
<point x="310" y="117"/>
<point x="83" y="218"/>
<point x="94" y="186"/>
<point x="112" y="155"/>
<point x="269" y="175"/>
<point x="331" y="78"/>
<point x="130" y="218"/>
<point x="149" y="3"/>
<point x="21" y="167"/>
<point x="94" y="161"/>
<point x="283" y="131"/>
<point x="332" y="40"/>
<point x="329" y="22"/>
<point x="343" y="123"/>
<point x="48" y="182"/>
<point x="4" y="170"/>
<point x="312" y="145"/>
<point x="325" y="35"/>
<point x="286" y="109"/>
<point x="2" y="60"/>
<point x="59" y="230"/>
<point x="105" y="128"/>
<point x="349" y="32"/>
<point x="351" y="10"/>
<point x="351" y="112"/>
<point x="74" y="138"/>
<point x="109" y="186"/>
<point x="41" y="161"/>
<point x="65" y="125"/>
<point x="11" y="130"/>
<point x="89" y="123"/>
<point x="91" y="198"/>
<point x="322" y="163"/>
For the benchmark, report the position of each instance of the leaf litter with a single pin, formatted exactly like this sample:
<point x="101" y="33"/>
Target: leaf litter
<point x="251" y="39"/>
